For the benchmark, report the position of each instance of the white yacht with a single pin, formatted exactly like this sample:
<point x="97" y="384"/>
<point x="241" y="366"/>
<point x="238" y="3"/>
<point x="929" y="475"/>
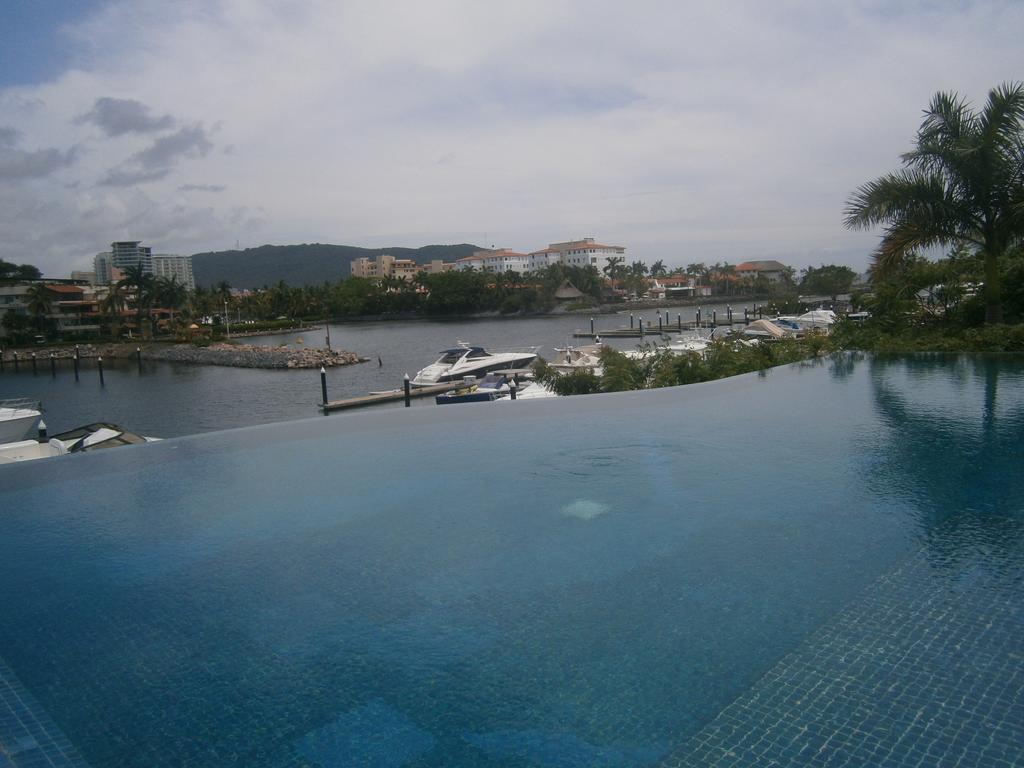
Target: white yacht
<point x="465" y="360"/>
<point x="582" y="358"/>
<point x="681" y="345"/>
<point x="19" y="419"/>
<point x="91" y="437"/>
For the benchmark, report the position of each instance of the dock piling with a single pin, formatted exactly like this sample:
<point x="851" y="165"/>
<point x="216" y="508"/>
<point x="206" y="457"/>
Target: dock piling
<point x="661" y="328"/>
<point x="591" y="326"/>
<point x="641" y="327"/>
<point x="15" y="362"/>
<point x="53" y="365"/>
<point x="138" y="357"/>
<point x="323" y="383"/>
<point x="99" y="365"/>
<point x="512" y="389"/>
<point x="408" y="391"/>
<point x="76" y="362"/>
<point x="630" y="319"/>
<point x="698" y="317"/>
<point x="35" y="370"/>
<point x="679" y="321"/>
<point x="714" y="318"/>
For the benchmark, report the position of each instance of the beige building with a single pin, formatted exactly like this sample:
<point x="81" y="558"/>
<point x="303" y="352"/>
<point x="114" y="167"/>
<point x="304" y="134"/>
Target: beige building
<point x="387" y="265"/>
<point x="773" y="271"/>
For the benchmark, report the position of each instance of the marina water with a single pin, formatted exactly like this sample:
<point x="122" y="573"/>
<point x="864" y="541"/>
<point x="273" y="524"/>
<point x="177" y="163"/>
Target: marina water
<point x="171" y="399"/>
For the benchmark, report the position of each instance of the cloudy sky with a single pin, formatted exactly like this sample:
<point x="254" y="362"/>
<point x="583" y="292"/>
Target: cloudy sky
<point x="684" y="131"/>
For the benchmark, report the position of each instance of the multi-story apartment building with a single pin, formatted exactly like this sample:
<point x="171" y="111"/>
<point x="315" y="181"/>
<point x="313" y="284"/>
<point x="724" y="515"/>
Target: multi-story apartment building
<point x="73" y="307"/>
<point x="84" y="276"/>
<point x="499" y="260"/>
<point x="585" y="253"/>
<point x="573" y="253"/>
<point x="386" y="265"/>
<point x="174" y="267"/>
<point x="109" y="266"/>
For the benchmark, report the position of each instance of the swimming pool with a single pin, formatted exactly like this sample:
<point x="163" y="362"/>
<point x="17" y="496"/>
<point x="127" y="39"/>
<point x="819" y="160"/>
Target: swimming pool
<point x="821" y="565"/>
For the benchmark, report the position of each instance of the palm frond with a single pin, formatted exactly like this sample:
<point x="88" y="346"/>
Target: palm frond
<point x="899" y="196"/>
<point x="948" y="126"/>
<point x="905" y="238"/>
<point x="999" y="123"/>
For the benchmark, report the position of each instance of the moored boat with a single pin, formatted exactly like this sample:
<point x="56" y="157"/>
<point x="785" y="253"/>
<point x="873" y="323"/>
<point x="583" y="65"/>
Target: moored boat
<point x="466" y="360"/>
<point x="91" y="437"/>
<point x="19" y="419"/>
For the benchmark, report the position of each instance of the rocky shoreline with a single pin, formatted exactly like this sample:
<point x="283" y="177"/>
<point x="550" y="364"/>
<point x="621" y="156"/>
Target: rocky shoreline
<point x="231" y="355"/>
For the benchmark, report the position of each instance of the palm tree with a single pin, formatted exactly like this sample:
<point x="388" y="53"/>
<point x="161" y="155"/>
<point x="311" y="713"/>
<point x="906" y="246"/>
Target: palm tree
<point x="169" y="292"/>
<point x="113" y="306"/>
<point x="142" y="285"/>
<point x="38" y="304"/>
<point x="658" y="269"/>
<point x="963" y="183"/>
<point x="615" y="267"/>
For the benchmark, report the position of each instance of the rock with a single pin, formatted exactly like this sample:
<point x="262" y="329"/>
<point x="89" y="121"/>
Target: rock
<point x="233" y="355"/>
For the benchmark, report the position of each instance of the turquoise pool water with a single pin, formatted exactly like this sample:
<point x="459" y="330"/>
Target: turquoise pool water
<point x="823" y="565"/>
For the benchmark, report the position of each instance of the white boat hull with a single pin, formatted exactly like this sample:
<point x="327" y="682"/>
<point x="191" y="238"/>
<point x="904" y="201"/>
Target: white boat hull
<point x="18" y="424"/>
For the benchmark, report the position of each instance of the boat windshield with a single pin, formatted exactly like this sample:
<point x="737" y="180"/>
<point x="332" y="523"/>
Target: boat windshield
<point x="452" y="356"/>
<point x="477" y="352"/>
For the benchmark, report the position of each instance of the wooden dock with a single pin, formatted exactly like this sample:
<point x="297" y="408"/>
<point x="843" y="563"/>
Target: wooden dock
<point x="390" y="396"/>
<point x="666" y="328"/>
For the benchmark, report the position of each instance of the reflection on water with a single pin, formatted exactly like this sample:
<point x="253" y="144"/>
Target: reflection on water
<point x="954" y="447"/>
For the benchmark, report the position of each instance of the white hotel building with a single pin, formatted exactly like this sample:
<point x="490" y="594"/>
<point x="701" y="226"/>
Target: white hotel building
<point x="574" y="253"/>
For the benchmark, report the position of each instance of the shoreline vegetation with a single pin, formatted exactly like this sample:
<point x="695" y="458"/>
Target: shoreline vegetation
<point x="731" y="357"/>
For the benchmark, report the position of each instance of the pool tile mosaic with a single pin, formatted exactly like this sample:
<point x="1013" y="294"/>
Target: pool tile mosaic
<point x="28" y="737"/>
<point x="927" y="669"/>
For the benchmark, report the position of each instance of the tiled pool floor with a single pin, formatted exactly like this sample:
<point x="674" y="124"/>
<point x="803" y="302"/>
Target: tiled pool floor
<point x="926" y="669"/>
<point x="28" y="737"/>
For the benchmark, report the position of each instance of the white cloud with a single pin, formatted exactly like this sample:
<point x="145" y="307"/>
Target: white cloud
<point x="687" y="132"/>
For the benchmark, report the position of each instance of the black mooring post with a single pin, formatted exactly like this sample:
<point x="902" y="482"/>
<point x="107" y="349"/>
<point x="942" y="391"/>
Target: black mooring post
<point x="76" y="363"/>
<point x="728" y="310"/>
<point x="323" y="383"/>
<point x="631" y="320"/>
<point x="679" y="321"/>
<point x="591" y="326"/>
<point x="15" y="362"/>
<point x="641" y="327"/>
<point x="512" y="389"/>
<point x="35" y="370"/>
<point x="138" y="357"/>
<point x="408" y="391"/>
<point x="1" y="359"/>
<point x="746" y="315"/>
<point x="714" y="318"/>
<point x="698" y="317"/>
<point x="661" y="329"/>
<point x="99" y="365"/>
<point x="53" y="365"/>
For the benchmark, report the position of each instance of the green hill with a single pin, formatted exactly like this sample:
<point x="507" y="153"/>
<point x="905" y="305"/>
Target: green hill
<point x="306" y="264"/>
